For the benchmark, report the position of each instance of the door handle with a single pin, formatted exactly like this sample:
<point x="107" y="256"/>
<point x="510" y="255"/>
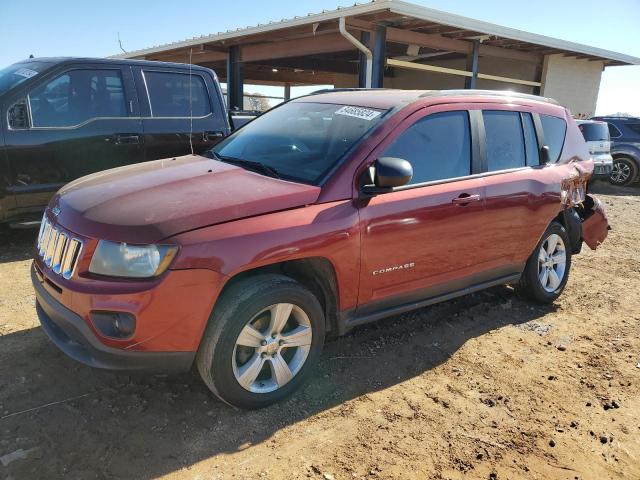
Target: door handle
<point x="206" y="136"/>
<point x="127" y="139"/>
<point x="464" y="199"/>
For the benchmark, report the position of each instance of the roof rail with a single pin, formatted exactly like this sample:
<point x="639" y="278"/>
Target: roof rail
<point x="614" y="117"/>
<point x="332" y="90"/>
<point x="493" y="93"/>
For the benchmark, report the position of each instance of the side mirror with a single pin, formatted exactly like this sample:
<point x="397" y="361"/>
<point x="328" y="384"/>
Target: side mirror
<point x="18" y="115"/>
<point x="544" y="155"/>
<point x="389" y="172"/>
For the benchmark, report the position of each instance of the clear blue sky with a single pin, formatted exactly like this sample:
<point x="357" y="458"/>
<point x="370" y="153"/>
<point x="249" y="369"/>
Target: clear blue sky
<point x="90" y="28"/>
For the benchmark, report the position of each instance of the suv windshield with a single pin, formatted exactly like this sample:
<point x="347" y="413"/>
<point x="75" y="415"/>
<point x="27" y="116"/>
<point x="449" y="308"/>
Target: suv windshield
<point x="300" y="141"/>
<point x="19" y="72"/>
<point x="594" y="132"/>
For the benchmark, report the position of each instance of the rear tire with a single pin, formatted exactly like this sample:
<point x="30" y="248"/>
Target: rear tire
<point x="262" y="340"/>
<point x="547" y="269"/>
<point x="625" y="171"/>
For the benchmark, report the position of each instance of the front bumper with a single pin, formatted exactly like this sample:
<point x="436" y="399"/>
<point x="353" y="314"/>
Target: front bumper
<point x="71" y="334"/>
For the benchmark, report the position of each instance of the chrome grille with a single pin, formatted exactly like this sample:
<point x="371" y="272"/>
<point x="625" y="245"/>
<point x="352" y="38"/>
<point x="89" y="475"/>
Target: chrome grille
<point x="58" y="250"/>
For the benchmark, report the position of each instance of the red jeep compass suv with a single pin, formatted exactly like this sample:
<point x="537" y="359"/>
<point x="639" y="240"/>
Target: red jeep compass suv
<point x="327" y="212"/>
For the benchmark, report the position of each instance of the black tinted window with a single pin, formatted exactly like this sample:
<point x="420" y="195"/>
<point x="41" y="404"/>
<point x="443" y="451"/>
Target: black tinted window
<point x="438" y="147"/>
<point x="530" y="140"/>
<point x="177" y="94"/>
<point x="635" y="127"/>
<point x="77" y="96"/>
<point x="554" y="129"/>
<point x="505" y="142"/>
<point x="613" y="131"/>
<point x="594" y="132"/>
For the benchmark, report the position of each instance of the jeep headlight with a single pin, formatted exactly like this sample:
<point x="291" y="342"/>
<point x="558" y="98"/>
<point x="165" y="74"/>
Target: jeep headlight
<point x="132" y="261"/>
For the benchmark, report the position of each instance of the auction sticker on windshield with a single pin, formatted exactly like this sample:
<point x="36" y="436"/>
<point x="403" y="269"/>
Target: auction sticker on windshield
<point x="25" y="72"/>
<point x="358" y="112"/>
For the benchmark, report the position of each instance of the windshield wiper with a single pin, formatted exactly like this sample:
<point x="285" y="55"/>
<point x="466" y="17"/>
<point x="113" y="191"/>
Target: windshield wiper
<point x="249" y="164"/>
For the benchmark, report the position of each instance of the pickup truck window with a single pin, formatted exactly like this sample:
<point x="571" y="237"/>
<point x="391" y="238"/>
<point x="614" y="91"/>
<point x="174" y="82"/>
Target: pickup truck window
<point x="300" y="141"/>
<point x="169" y="94"/>
<point x="77" y="96"/>
<point x="437" y="146"/>
<point x="15" y="74"/>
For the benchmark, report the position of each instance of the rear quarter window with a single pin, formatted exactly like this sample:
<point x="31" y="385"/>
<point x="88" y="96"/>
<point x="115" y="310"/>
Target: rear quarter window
<point x="554" y="129"/>
<point x="614" y="132"/>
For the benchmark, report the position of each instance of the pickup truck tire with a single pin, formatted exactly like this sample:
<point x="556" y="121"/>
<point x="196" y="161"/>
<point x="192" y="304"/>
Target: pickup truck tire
<point x="625" y="171"/>
<point x="547" y="269"/>
<point x="264" y="336"/>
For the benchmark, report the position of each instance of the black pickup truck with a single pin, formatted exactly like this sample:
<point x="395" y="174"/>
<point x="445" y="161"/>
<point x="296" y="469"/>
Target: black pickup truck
<point x="63" y="118"/>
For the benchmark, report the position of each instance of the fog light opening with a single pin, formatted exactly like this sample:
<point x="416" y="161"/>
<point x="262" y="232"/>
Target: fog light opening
<point x="118" y="325"/>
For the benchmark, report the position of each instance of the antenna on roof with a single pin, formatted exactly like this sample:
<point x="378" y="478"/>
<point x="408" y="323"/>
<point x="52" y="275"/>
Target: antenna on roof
<point x="120" y="43"/>
<point x="190" y="103"/>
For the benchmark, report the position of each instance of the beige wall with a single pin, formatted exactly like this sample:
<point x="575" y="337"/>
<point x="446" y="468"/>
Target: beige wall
<point x="423" y="80"/>
<point x="573" y="82"/>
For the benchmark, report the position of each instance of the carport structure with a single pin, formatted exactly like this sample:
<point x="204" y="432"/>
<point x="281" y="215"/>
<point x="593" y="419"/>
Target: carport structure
<point x="389" y="43"/>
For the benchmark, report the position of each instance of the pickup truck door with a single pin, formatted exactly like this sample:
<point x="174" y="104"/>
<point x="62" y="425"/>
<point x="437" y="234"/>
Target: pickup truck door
<point x="80" y="119"/>
<point x="421" y="241"/>
<point x="175" y="105"/>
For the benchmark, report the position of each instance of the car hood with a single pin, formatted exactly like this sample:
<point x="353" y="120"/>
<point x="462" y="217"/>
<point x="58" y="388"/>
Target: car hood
<point x="147" y="202"/>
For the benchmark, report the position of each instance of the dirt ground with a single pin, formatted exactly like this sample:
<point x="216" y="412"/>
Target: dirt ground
<point x="485" y="386"/>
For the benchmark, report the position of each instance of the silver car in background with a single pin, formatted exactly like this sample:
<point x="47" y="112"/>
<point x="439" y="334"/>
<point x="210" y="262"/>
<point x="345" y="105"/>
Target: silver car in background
<point x="596" y="134"/>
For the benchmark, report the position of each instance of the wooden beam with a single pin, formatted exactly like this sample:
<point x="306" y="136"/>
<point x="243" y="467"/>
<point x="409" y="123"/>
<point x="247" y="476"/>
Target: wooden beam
<point x="182" y="56"/>
<point x="305" y="63"/>
<point x="295" y="78"/>
<point x="519" y="55"/>
<point x="439" y="42"/>
<point x="296" y="48"/>
<point x="454" y="71"/>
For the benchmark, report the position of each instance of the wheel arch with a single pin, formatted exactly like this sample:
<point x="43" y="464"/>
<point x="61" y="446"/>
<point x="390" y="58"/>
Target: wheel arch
<point x="572" y="223"/>
<point x="316" y="273"/>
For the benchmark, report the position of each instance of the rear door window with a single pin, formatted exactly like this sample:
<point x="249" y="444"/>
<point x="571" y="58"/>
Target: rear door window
<point x="76" y="97"/>
<point x="505" y="141"/>
<point x="438" y="147"/>
<point x="177" y="94"/>
<point x="554" y="129"/>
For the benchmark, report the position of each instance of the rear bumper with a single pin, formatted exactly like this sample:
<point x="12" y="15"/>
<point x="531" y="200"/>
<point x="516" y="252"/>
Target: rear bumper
<point x="602" y="165"/>
<point x="595" y="226"/>
<point x="71" y="334"/>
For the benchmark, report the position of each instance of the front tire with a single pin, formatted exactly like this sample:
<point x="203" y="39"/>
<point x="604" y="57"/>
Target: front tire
<point x="263" y="338"/>
<point x="624" y="171"/>
<point x="547" y="270"/>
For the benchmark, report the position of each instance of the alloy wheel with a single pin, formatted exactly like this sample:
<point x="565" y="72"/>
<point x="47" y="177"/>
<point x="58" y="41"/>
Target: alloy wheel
<point x="552" y="261"/>
<point x="272" y="348"/>
<point x="620" y="172"/>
